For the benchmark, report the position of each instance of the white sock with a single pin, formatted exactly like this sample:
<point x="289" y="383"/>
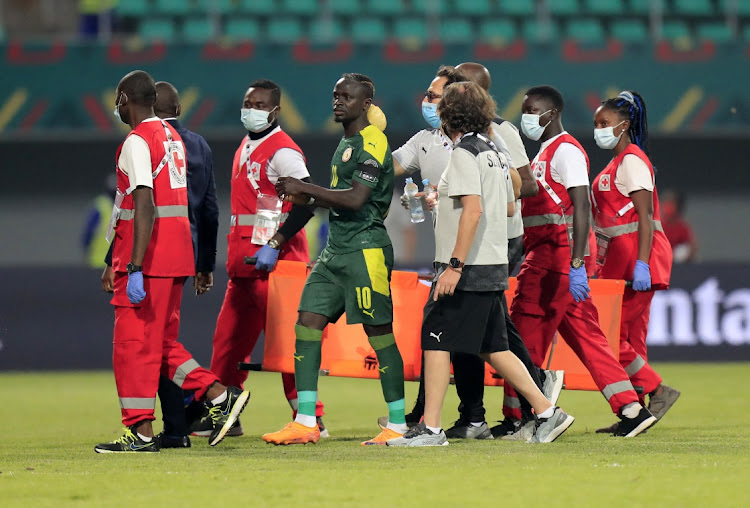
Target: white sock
<point x="294" y="403"/>
<point x="306" y="420"/>
<point x="401" y="428"/>
<point x="434" y="430"/>
<point x="631" y="410"/>
<point x="218" y="400"/>
<point x="547" y="413"/>
<point x="144" y="438"/>
<point x="477" y="424"/>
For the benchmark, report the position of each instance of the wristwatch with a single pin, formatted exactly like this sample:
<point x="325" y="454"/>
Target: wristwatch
<point x="133" y="268"/>
<point x="576" y="262"/>
<point x="274" y="244"/>
<point x="455" y="263"/>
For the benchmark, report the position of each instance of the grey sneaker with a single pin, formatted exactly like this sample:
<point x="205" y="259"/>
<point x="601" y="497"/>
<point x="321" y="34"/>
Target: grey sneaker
<point x="464" y="430"/>
<point x="523" y="431"/>
<point x="419" y="435"/>
<point x="553" y="384"/>
<point x="549" y="429"/>
<point x="658" y="405"/>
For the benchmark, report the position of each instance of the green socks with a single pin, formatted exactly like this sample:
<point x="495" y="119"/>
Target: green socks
<point x="306" y="368"/>
<point x="391" y="367"/>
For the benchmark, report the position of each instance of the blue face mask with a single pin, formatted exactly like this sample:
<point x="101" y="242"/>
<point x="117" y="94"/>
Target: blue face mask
<point x="117" y="109"/>
<point x="530" y="125"/>
<point x="429" y="112"/>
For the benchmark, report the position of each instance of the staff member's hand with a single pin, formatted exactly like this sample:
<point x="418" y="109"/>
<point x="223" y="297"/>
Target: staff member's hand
<point x="446" y="283"/>
<point x="266" y="258"/>
<point x="203" y="282"/>
<point x="108" y="279"/>
<point x="135" y="290"/>
<point x="641" y="276"/>
<point x="579" y="283"/>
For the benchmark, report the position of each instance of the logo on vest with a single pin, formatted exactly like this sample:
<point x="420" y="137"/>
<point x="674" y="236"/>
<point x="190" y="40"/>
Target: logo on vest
<point x="604" y="183"/>
<point x="175" y="158"/>
<point x="539" y="169"/>
<point x="347" y="154"/>
<point x="253" y="171"/>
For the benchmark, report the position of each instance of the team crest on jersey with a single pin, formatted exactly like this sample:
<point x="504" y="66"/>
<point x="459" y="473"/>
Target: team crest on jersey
<point x="539" y="169"/>
<point x="604" y="183"/>
<point x="347" y="154"/>
<point x="253" y="171"/>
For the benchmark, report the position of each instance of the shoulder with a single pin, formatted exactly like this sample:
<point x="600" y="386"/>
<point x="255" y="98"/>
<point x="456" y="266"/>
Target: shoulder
<point x="374" y="142"/>
<point x="134" y="141"/>
<point x="472" y="145"/>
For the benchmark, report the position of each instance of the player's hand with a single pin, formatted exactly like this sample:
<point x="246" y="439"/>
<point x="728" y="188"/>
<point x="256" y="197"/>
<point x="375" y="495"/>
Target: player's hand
<point x="108" y="279"/>
<point x="446" y="283"/>
<point x="135" y="290"/>
<point x="641" y="276"/>
<point x="579" y="283"/>
<point x="266" y="258"/>
<point x="203" y="282"/>
<point x="289" y="186"/>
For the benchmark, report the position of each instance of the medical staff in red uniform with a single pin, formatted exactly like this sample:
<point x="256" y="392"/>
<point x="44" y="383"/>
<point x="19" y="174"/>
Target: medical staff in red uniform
<point x="631" y="242"/>
<point x="152" y="257"/>
<point x="553" y="292"/>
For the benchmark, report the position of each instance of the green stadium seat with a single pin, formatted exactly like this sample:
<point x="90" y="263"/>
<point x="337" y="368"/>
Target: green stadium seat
<point x="497" y="30"/>
<point x="171" y="7"/>
<point x="410" y="29"/>
<point x="587" y="30"/>
<point x="300" y="7"/>
<point x="742" y="7"/>
<point x="604" y="7"/>
<point x="629" y="30"/>
<point x="720" y="33"/>
<point x="327" y="29"/>
<point x="368" y="29"/>
<point x="258" y="7"/>
<point x="692" y="8"/>
<point x="344" y="7"/>
<point x="644" y="7"/>
<point x="134" y="8"/>
<point x="285" y="29"/>
<point x="242" y="29"/>
<point x="473" y="7"/>
<point x="516" y="7"/>
<point x="563" y="7"/>
<point x="456" y="30"/>
<point x="153" y="29"/>
<point x="427" y="7"/>
<point x="384" y="7"/>
<point x="222" y="7"/>
<point x="534" y="31"/>
<point x="198" y="29"/>
<point x="674" y="30"/>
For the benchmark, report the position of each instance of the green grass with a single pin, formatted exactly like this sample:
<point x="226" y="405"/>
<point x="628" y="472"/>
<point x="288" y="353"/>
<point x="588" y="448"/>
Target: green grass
<point x="697" y="456"/>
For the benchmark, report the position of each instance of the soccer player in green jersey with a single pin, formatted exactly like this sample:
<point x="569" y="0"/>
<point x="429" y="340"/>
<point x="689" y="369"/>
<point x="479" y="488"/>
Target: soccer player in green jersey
<point x="353" y="272"/>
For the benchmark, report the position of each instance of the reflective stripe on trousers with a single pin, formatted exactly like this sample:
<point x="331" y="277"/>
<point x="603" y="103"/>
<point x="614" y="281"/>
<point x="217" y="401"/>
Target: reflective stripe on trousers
<point x="624" y="229"/>
<point x="137" y="403"/>
<point x="183" y="371"/>
<point x="511" y="402"/>
<point x="545" y="219"/>
<point x="248" y="219"/>
<point x="619" y="387"/>
<point x="160" y="212"/>
<point x="635" y="366"/>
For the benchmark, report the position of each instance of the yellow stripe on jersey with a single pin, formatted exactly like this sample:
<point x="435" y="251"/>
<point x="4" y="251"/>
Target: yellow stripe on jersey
<point x="376" y="269"/>
<point x="374" y="142"/>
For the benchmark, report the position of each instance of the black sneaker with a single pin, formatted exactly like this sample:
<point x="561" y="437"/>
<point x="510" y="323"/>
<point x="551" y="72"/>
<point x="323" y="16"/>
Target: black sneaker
<point x="169" y="441"/>
<point x="631" y="427"/>
<point x="322" y="427"/>
<point x="128" y="443"/>
<point x="507" y="427"/>
<point x="463" y="429"/>
<point x="225" y="414"/>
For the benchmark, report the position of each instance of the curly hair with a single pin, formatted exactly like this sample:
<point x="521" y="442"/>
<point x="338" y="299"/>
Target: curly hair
<point x="466" y="107"/>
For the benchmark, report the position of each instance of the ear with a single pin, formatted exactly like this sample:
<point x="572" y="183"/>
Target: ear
<point x="367" y="104"/>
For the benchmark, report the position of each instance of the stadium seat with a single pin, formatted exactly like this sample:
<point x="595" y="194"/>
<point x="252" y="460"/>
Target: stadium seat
<point x="344" y="7"/>
<point x="286" y="29"/>
<point x="161" y="29"/>
<point x="516" y="7"/>
<point x="428" y="7"/>
<point x="674" y="30"/>
<point x="171" y="7"/>
<point x="497" y="30"/>
<point x="534" y="31"/>
<point x="384" y="7"/>
<point x="369" y="29"/>
<point x="300" y="7"/>
<point x="134" y="8"/>
<point x="214" y="6"/>
<point x="242" y="29"/>
<point x="629" y="30"/>
<point x="326" y="29"/>
<point x="586" y="30"/>
<point x="456" y="30"/>
<point x="742" y="7"/>
<point x="692" y="8"/>
<point x="198" y="29"/>
<point x="258" y="7"/>
<point x="603" y="7"/>
<point x="644" y="7"/>
<point x="720" y="33"/>
<point x="563" y="7"/>
<point x="410" y="29"/>
<point x="473" y="7"/>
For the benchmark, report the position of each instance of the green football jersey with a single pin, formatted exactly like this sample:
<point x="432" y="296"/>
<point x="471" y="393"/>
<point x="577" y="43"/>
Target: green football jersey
<point x="352" y="230"/>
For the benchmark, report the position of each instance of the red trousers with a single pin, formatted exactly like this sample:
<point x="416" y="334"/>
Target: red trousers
<point x="145" y="346"/>
<point x="542" y="305"/>
<point x="636" y="308"/>
<point x="241" y="319"/>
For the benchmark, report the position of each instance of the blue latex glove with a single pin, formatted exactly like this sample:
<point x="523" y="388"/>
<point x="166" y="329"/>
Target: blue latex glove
<point x="579" y="283"/>
<point x="135" y="290"/>
<point x="267" y="258"/>
<point x="641" y="276"/>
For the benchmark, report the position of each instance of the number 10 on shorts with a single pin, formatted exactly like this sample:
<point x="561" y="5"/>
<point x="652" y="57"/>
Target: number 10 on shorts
<point x="364" y="297"/>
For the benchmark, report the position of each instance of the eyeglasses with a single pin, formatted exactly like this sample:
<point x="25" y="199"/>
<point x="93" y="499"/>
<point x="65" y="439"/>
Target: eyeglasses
<point x="431" y="96"/>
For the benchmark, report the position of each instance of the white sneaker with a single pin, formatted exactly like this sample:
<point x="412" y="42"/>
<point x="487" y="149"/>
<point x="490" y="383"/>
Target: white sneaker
<point x="553" y="384"/>
<point x="549" y="429"/>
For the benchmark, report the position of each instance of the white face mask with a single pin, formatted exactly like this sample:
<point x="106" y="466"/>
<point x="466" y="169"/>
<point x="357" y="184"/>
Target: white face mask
<point x="530" y="125"/>
<point x="255" y="120"/>
<point x="605" y="137"/>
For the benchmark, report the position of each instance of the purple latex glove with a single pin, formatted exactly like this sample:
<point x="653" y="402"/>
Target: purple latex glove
<point x="579" y="283"/>
<point x="641" y="276"/>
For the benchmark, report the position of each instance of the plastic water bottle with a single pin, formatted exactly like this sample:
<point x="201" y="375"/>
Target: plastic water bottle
<point x="415" y="204"/>
<point x="429" y="193"/>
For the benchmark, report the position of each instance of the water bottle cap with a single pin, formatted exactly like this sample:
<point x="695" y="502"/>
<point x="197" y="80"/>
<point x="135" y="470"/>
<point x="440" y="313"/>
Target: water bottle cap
<point x="426" y="181"/>
<point x="409" y="180"/>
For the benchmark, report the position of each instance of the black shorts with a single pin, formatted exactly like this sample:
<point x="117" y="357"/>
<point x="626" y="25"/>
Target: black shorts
<point x="466" y="322"/>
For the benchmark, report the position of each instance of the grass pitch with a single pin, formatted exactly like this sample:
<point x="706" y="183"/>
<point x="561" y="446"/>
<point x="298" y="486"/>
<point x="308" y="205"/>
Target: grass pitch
<point x="699" y="455"/>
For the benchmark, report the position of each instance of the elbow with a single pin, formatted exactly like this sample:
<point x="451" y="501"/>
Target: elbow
<point x="529" y="190"/>
<point x="511" y="209"/>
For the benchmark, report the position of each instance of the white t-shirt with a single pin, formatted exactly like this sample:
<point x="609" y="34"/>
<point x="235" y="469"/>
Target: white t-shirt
<point x="568" y="165"/>
<point x="135" y="160"/>
<point x="512" y="139"/>
<point x="285" y="162"/>
<point x="632" y="175"/>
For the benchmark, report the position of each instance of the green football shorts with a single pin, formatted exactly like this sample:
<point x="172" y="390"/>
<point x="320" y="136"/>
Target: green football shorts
<point x="357" y="283"/>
